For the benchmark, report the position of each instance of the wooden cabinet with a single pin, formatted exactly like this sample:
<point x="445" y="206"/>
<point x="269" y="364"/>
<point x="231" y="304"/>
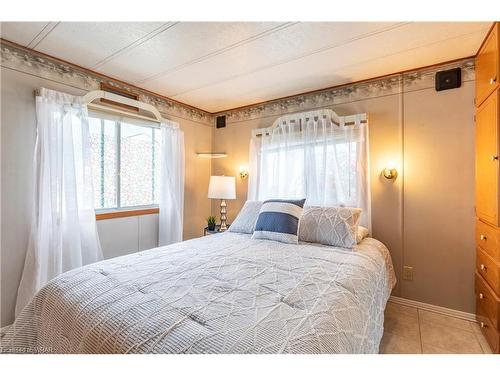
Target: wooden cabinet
<point x="488" y="313"/>
<point x="488" y="239"/>
<point x="487" y="160"/>
<point x="487" y="301"/>
<point x="489" y="270"/>
<point x="487" y="189"/>
<point x="487" y="66"/>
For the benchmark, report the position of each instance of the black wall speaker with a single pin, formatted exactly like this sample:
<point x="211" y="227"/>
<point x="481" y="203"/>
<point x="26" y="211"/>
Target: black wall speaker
<point x="221" y="122"/>
<point x="448" y="79"/>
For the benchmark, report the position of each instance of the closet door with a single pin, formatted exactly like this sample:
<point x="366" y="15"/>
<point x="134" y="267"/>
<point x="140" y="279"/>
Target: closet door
<point x="487" y="160"/>
<point x="487" y="66"/>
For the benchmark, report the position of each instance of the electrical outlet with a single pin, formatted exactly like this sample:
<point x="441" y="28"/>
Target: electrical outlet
<point x="408" y="273"/>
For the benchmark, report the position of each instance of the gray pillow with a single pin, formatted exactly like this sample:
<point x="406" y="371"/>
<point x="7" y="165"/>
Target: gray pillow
<point x="334" y="226"/>
<point x="246" y="219"/>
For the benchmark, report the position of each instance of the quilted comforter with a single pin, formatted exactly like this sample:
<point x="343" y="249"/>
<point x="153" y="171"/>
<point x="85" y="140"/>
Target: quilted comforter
<point x="224" y="293"/>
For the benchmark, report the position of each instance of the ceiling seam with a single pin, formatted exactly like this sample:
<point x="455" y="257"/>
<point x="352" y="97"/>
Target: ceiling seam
<point x="222" y="50"/>
<point x="298" y="57"/>
<point x="37" y="34"/>
<point x="136" y="43"/>
<point x="42" y="35"/>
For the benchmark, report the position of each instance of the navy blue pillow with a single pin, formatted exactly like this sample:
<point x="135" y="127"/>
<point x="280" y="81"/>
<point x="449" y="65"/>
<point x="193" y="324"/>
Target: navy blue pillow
<point x="279" y="220"/>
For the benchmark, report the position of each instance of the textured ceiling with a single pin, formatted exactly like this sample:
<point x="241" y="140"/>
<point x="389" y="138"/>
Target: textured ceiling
<point x="221" y="65"/>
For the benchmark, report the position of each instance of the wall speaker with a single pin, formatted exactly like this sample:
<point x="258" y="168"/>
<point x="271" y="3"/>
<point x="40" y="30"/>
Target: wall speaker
<point x="448" y="79"/>
<point x="221" y="122"/>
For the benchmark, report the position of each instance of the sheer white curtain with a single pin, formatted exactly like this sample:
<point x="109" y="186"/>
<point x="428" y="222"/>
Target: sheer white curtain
<point x="63" y="229"/>
<point x="171" y="184"/>
<point x="308" y="155"/>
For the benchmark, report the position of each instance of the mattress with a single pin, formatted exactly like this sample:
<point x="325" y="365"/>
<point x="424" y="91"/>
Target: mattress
<point x="224" y="293"/>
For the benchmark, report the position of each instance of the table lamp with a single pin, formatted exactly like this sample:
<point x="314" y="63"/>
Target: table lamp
<point x="222" y="187"/>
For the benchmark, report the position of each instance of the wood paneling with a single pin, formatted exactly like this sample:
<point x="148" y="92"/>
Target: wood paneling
<point x="487" y="160"/>
<point x="487" y="66"/>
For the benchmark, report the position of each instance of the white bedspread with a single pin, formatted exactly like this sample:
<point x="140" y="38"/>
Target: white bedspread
<point x="224" y="293"/>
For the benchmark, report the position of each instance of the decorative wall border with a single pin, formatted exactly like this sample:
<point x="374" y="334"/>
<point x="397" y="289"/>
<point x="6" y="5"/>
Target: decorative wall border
<point x="414" y="80"/>
<point x="26" y="60"/>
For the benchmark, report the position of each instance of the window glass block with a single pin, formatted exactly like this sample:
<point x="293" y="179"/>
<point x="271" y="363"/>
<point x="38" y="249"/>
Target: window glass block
<point x="139" y="161"/>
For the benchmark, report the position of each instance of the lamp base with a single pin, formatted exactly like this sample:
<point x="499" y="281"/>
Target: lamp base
<point x="223" y="218"/>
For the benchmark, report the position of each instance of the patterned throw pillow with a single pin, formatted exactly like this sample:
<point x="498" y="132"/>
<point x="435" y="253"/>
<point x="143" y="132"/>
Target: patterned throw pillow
<point x="279" y="220"/>
<point x="334" y="226"/>
<point x="246" y="219"/>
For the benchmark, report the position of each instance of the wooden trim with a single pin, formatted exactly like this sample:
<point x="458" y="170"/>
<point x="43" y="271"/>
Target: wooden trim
<point x="433" y="308"/>
<point x="121" y="92"/>
<point x="100" y="75"/>
<point x="117" y="214"/>
<point x="486" y="37"/>
<point x="219" y="113"/>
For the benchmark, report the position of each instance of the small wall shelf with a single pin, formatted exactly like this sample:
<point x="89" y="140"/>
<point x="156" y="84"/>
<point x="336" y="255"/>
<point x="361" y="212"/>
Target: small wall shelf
<point x="211" y="155"/>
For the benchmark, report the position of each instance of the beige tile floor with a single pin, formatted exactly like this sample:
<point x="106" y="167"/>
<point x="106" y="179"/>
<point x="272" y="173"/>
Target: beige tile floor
<point x="408" y="330"/>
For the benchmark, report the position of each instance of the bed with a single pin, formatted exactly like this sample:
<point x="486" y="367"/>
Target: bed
<point x="224" y="293"/>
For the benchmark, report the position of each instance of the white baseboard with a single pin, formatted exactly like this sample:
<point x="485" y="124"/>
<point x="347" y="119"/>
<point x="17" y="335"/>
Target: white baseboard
<point x="434" y="308"/>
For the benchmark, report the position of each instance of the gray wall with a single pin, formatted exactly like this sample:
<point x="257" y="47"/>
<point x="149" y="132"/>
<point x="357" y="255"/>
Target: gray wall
<point x="118" y="236"/>
<point x="426" y="216"/>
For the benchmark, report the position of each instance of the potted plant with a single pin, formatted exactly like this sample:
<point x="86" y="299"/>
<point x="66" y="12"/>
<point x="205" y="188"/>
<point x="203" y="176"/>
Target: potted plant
<point x="211" y="223"/>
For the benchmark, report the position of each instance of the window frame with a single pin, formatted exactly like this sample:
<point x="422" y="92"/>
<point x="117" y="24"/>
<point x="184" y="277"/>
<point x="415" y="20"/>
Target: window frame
<point x="122" y="211"/>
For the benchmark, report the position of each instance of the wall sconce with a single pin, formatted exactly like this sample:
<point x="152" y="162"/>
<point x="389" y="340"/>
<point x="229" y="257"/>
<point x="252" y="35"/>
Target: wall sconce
<point x="390" y="172"/>
<point x="243" y="172"/>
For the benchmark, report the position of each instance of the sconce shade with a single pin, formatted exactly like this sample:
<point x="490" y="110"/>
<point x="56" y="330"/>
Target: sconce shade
<point x="222" y="187"/>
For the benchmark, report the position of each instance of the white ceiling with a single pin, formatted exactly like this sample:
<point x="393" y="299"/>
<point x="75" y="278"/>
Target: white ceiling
<point x="221" y="65"/>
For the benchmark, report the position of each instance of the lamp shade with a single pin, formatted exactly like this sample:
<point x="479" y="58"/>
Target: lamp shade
<point x="222" y="187"/>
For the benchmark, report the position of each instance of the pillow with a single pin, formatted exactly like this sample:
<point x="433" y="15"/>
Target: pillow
<point x="362" y="233"/>
<point x="279" y="220"/>
<point x="334" y="226"/>
<point x="246" y="219"/>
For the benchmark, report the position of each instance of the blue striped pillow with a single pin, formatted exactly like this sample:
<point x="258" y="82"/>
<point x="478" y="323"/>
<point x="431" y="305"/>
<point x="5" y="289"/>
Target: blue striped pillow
<point x="279" y="220"/>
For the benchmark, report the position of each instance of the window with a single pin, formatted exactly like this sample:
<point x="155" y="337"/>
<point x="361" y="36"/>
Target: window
<point x="125" y="162"/>
<point x="325" y="172"/>
<point x="314" y="159"/>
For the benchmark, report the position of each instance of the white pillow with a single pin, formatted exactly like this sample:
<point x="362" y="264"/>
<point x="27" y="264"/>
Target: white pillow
<point x="246" y="219"/>
<point x="362" y="233"/>
<point x="334" y="226"/>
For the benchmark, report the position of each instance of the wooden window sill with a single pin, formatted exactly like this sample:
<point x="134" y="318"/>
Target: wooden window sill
<point x="117" y="214"/>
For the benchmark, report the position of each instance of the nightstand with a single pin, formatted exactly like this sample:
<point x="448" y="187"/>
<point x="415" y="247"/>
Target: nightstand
<point x="207" y="232"/>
